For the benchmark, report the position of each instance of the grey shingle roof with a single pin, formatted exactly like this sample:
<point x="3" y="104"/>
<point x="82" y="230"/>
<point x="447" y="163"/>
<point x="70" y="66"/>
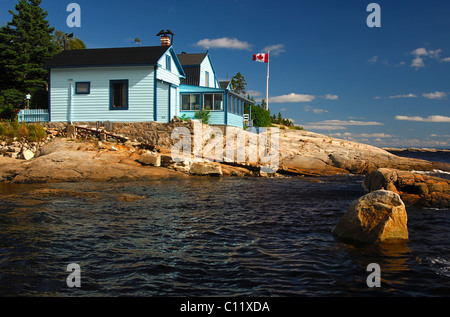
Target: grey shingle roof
<point x="149" y="55"/>
<point x="191" y="59"/>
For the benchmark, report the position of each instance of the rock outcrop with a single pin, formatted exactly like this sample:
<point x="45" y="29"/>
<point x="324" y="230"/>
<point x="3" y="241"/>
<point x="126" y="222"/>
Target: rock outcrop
<point x="416" y="190"/>
<point x="308" y="153"/>
<point x="379" y="216"/>
<point x="66" y="161"/>
<point x="104" y="153"/>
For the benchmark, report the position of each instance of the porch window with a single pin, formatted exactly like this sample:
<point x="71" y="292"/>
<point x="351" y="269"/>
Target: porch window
<point x="213" y="102"/>
<point x="118" y="94"/>
<point x="82" y="88"/>
<point x="190" y="102"/>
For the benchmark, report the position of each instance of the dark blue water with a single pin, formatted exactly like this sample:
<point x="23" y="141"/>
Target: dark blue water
<point x="434" y="156"/>
<point x="209" y="237"/>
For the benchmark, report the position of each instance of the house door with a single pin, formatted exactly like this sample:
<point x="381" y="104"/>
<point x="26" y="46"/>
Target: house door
<point x="174" y="108"/>
<point x="163" y="102"/>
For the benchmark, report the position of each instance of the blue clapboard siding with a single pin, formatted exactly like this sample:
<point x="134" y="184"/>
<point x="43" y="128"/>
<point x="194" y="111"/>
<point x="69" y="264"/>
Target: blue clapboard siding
<point x="33" y="115"/>
<point x="168" y="100"/>
<point x="206" y="66"/>
<point x="235" y="120"/>
<point x="65" y="105"/>
<point x="162" y="102"/>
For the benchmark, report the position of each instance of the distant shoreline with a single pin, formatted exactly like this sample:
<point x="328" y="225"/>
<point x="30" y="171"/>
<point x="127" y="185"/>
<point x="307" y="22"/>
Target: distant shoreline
<point x="414" y="149"/>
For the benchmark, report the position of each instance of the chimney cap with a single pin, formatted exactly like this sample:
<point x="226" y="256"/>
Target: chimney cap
<point x="162" y="32"/>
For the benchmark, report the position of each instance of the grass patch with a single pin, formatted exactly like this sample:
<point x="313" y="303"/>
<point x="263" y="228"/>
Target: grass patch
<point x="33" y="132"/>
<point x="296" y="127"/>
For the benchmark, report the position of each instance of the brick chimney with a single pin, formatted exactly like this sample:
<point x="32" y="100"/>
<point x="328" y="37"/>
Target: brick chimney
<point x="165" y="39"/>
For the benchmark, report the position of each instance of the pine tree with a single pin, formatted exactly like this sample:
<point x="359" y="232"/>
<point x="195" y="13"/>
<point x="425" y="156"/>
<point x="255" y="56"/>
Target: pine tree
<point x="280" y="118"/>
<point x="238" y="83"/>
<point x="65" y="42"/>
<point x="25" y="45"/>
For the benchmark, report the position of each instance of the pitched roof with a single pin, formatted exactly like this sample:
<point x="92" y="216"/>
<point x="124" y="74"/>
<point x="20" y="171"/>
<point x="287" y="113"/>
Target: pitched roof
<point x="191" y="59"/>
<point x="149" y="55"/>
<point x="224" y="84"/>
<point x="192" y="76"/>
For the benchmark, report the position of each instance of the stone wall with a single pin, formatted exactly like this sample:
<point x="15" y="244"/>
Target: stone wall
<point x="154" y="133"/>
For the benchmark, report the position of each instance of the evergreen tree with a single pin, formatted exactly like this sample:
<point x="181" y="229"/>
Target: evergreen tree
<point x="65" y="42"/>
<point x="238" y="83"/>
<point x="25" y="45"/>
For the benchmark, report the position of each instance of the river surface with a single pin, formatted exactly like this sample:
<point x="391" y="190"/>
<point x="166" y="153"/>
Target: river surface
<point x="209" y="237"/>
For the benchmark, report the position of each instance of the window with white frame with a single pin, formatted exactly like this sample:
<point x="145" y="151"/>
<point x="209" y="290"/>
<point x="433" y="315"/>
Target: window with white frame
<point x="190" y="102"/>
<point x="213" y="102"/>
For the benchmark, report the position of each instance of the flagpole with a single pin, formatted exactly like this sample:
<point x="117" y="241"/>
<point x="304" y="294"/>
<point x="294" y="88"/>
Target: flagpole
<point x="267" y="87"/>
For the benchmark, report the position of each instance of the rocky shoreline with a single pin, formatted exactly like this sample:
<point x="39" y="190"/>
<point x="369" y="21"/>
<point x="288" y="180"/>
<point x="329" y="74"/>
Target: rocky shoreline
<point x="95" y="155"/>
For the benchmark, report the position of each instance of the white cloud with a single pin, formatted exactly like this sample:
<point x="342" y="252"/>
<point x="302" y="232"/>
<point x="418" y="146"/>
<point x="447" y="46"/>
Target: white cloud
<point x="403" y="96"/>
<point x="421" y="53"/>
<point x="434" y="135"/>
<point x="323" y="127"/>
<point x="292" y="97"/>
<point x="331" y="97"/>
<point x="275" y="50"/>
<point x="362" y="135"/>
<point x="224" y="42"/>
<point x="373" y="60"/>
<point x="376" y="135"/>
<point x="316" y="111"/>
<point x="446" y="60"/>
<point x="347" y="123"/>
<point x="434" y="118"/>
<point x="424" y="52"/>
<point x="418" y="63"/>
<point x="254" y="93"/>
<point x="436" y="95"/>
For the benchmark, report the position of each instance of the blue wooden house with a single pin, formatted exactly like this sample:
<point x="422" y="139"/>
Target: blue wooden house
<point x="138" y="84"/>
<point x="201" y="89"/>
<point x="118" y="84"/>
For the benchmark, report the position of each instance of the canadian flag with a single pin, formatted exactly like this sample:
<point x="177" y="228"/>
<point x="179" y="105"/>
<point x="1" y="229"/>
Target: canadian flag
<point x="261" y="57"/>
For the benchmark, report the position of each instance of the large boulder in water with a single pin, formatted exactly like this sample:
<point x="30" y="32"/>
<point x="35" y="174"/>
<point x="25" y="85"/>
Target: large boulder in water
<point x="379" y="216"/>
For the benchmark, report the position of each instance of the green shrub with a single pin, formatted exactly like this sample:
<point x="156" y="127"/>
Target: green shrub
<point x="260" y="116"/>
<point x="184" y="117"/>
<point x="27" y="132"/>
<point x="296" y="127"/>
<point x="203" y="115"/>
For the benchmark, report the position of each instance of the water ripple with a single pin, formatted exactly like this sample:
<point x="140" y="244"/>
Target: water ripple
<point x="208" y="237"/>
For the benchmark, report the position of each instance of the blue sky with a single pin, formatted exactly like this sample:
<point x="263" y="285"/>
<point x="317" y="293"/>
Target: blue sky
<point x="329" y="71"/>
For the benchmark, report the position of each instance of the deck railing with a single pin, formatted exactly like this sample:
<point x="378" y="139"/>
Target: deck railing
<point x="33" y="115"/>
